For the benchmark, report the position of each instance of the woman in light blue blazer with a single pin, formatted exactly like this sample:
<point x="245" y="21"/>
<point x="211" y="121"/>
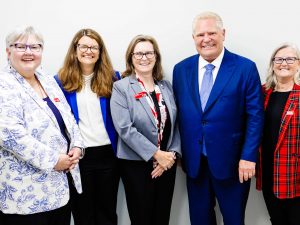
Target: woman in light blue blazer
<point x="40" y="143"/>
<point x="86" y="79"/>
<point x="144" y="114"/>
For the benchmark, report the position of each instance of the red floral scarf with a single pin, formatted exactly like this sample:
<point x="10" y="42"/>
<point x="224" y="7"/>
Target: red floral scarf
<point x="162" y="108"/>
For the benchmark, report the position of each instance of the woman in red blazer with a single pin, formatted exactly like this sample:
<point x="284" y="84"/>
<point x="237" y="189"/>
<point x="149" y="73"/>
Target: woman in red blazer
<point x="279" y="168"/>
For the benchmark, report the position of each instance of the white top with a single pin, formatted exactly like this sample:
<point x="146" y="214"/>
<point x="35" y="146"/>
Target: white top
<point x="201" y="68"/>
<point x="91" y="122"/>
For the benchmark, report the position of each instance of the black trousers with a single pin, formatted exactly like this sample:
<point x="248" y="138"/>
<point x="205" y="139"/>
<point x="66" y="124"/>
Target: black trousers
<point x="282" y="211"/>
<point x="100" y="182"/>
<point x="148" y="200"/>
<point x="60" y="216"/>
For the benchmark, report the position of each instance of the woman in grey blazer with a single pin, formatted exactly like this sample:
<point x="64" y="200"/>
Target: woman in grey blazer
<point x="144" y="114"/>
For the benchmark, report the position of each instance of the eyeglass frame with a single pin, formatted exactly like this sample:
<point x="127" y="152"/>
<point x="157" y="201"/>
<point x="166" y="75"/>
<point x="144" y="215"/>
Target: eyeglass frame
<point x="288" y="60"/>
<point x="135" y="54"/>
<point x="26" y="47"/>
<point x="88" y="47"/>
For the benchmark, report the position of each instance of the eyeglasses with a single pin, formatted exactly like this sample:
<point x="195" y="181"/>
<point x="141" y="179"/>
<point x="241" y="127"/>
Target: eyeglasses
<point x="23" y="47"/>
<point x="139" y="55"/>
<point x="288" y="60"/>
<point x="84" y="48"/>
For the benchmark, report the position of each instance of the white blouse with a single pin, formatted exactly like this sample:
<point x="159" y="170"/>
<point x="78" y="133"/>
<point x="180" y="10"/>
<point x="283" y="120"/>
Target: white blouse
<point x="91" y="122"/>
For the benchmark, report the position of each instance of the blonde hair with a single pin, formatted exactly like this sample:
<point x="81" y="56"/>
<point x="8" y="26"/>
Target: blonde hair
<point x="70" y="74"/>
<point x="271" y="80"/>
<point x="21" y="32"/>
<point x="157" y="70"/>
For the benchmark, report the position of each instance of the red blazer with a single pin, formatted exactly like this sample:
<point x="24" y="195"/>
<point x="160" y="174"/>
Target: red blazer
<point x="287" y="153"/>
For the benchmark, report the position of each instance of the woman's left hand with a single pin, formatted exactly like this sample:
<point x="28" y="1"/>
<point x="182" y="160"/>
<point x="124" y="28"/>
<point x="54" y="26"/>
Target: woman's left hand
<point x="74" y="155"/>
<point x="157" y="171"/>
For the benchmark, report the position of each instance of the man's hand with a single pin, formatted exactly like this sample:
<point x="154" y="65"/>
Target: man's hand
<point x="246" y="170"/>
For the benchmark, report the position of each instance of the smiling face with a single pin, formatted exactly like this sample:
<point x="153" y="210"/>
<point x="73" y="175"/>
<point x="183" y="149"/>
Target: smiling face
<point x="25" y="62"/>
<point x="143" y="66"/>
<point x="90" y="56"/>
<point x="208" y="38"/>
<point x="285" y="71"/>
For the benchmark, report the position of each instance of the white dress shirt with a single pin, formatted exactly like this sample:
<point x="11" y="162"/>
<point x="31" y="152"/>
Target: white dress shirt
<point x="201" y="68"/>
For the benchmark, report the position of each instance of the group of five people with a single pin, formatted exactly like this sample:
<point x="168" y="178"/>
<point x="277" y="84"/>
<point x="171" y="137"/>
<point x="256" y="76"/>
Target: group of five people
<point x="66" y="141"/>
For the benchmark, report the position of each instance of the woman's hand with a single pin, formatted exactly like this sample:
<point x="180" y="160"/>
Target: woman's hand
<point x="157" y="171"/>
<point x="164" y="159"/>
<point x="67" y="162"/>
<point x="74" y="154"/>
<point x="64" y="163"/>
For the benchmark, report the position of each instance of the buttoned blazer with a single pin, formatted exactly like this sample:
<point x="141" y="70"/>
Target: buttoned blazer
<point x="30" y="144"/>
<point x="135" y="122"/>
<point x="231" y="122"/>
<point x="104" y="104"/>
<point x="287" y="152"/>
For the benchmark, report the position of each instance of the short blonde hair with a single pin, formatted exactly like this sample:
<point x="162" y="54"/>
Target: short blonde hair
<point x="271" y="80"/>
<point x="207" y="15"/>
<point x="21" y="32"/>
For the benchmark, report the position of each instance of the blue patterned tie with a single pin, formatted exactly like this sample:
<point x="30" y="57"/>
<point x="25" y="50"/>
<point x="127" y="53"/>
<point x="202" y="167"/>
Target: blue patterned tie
<point x="206" y="87"/>
<point x="207" y="84"/>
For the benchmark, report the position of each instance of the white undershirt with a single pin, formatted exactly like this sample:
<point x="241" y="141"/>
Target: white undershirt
<point x="201" y="68"/>
<point x="91" y="122"/>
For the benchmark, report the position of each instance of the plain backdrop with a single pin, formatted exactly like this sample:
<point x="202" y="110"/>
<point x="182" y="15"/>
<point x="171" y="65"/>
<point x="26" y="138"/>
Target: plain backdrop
<point x="253" y="29"/>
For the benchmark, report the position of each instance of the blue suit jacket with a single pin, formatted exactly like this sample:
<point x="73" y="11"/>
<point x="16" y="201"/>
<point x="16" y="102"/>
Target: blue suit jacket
<point x="232" y="121"/>
<point x="105" y="109"/>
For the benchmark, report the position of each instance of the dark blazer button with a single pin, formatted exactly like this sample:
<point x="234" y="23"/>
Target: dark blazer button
<point x="204" y="122"/>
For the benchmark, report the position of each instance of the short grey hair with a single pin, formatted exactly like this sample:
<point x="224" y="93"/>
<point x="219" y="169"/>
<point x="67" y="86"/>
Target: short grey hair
<point x="208" y="15"/>
<point x="21" y="32"/>
<point x="271" y="80"/>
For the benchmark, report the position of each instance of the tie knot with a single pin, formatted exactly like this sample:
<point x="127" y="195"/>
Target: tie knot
<point x="209" y="67"/>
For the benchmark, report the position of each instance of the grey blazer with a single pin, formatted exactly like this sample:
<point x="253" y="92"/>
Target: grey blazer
<point x="135" y="122"/>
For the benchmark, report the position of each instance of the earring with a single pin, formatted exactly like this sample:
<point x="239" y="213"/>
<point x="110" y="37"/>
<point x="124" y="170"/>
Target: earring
<point x="8" y="63"/>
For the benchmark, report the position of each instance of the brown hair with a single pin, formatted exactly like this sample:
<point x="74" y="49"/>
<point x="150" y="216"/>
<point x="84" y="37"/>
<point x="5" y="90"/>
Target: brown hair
<point x="70" y="74"/>
<point x="157" y="70"/>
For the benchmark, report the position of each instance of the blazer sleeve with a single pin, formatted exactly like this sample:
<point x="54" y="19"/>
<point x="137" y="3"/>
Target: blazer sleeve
<point x="121" y="115"/>
<point x="254" y="115"/>
<point x="76" y="137"/>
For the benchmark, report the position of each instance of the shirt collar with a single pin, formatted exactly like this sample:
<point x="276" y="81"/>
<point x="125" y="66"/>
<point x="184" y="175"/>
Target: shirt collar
<point x="217" y="62"/>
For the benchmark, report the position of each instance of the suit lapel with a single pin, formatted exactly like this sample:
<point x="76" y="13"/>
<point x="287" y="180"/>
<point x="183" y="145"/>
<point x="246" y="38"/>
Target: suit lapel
<point x="137" y="89"/>
<point x="224" y="75"/>
<point x="30" y="91"/>
<point x="166" y="99"/>
<point x="73" y="103"/>
<point x="194" y="82"/>
<point x="289" y="110"/>
<point x="103" y="102"/>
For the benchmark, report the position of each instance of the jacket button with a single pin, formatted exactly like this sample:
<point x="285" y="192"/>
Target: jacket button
<point x="204" y="122"/>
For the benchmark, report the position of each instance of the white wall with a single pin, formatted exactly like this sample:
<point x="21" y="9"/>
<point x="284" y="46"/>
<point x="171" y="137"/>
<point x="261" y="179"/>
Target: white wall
<point x="253" y="29"/>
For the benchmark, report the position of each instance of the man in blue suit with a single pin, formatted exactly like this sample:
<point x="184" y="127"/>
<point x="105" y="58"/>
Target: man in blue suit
<point x="220" y="119"/>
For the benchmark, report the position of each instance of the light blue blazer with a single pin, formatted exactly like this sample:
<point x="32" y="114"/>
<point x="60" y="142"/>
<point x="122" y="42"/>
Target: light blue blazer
<point x="135" y="122"/>
<point x="30" y="144"/>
